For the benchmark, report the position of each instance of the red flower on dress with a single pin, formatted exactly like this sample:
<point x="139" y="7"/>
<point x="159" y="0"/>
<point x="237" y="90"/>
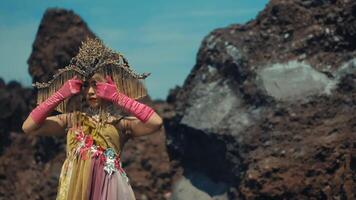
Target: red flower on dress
<point x="118" y="164"/>
<point x="102" y="158"/>
<point x="98" y="152"/>
<point x="80" y="135"/>
<point x="85" y="143"/>
<point x="88" y="141"/>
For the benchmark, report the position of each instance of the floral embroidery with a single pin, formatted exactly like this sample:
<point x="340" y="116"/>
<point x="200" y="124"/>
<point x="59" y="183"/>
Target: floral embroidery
<point x="109" y="153"/>
<point x="118" y="165"/>
<point x="85" y="143"/>
<point x="108" y="157"/>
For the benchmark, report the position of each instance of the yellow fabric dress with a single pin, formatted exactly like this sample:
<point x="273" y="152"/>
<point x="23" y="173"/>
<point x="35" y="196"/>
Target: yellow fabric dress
<point x="92" y="168"/>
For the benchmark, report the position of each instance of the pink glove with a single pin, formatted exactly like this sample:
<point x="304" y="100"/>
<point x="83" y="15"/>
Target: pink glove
<point x="109" y="92"/>
<point x="69" y="88"/>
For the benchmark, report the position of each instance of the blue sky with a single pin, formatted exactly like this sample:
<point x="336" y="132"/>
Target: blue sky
<point x="161" y="37"/>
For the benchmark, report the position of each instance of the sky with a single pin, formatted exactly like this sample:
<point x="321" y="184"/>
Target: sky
<point x="161" y="37"/>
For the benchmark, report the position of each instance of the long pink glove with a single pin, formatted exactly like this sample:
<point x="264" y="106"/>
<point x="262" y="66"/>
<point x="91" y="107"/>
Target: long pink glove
<point x="108" y="91"/>
<point x="69" y="88"/>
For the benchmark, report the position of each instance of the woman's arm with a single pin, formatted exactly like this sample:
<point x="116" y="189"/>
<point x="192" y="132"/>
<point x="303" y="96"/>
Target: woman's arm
<point x="145" y="120"/>
<point x="38" y="121"/>
<point x="137" y="128"/>
<point x="52" y="126"/>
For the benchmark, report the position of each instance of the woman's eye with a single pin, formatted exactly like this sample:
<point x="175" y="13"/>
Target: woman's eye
<point x="93" y="84"/>
<point x="85" y="84"/>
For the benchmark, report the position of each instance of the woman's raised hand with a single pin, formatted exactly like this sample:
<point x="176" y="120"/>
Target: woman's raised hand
<point x="109" y="92"/>
<point x="70" y="87"/>
<point x="106" y="90"/>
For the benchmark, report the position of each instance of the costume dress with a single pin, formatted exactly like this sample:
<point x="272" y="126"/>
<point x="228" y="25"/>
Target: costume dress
<point x="92" y="169"/>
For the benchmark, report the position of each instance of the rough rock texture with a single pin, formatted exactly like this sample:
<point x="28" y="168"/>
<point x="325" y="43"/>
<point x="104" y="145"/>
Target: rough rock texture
<point x="23" y="175"/>
<point x="268" y="111"/>
<point x="146" y="161"/>
<point x="30" y="166"/>
<point x="14" y="106"/>
<point x="58" y="39"/>
<point x="304" y="150"/>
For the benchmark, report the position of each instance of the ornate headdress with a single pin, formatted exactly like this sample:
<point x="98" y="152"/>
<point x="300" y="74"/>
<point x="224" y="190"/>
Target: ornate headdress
<point x="94" y="57"/>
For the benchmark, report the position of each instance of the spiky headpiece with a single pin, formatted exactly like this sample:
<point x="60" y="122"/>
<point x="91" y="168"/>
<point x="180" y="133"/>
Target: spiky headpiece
<point x="95" y="57"/>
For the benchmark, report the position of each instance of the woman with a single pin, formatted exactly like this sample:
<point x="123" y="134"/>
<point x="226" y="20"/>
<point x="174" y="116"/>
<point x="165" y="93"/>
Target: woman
<point x="93" y="169"/>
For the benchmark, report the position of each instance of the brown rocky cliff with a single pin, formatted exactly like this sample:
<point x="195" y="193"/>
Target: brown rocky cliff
<point x="268" y="110"/>
<point x="58" y="38"/>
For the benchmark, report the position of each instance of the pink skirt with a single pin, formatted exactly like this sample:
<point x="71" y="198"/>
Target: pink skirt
<point x="87" y="180"/>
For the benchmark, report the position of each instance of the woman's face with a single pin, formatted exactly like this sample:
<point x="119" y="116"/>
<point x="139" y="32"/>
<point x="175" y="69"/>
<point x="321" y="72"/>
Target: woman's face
<point x="90" y="90"/>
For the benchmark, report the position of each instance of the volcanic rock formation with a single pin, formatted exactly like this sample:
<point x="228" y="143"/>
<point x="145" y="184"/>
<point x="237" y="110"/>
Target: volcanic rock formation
<point x="268" y="111"/>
